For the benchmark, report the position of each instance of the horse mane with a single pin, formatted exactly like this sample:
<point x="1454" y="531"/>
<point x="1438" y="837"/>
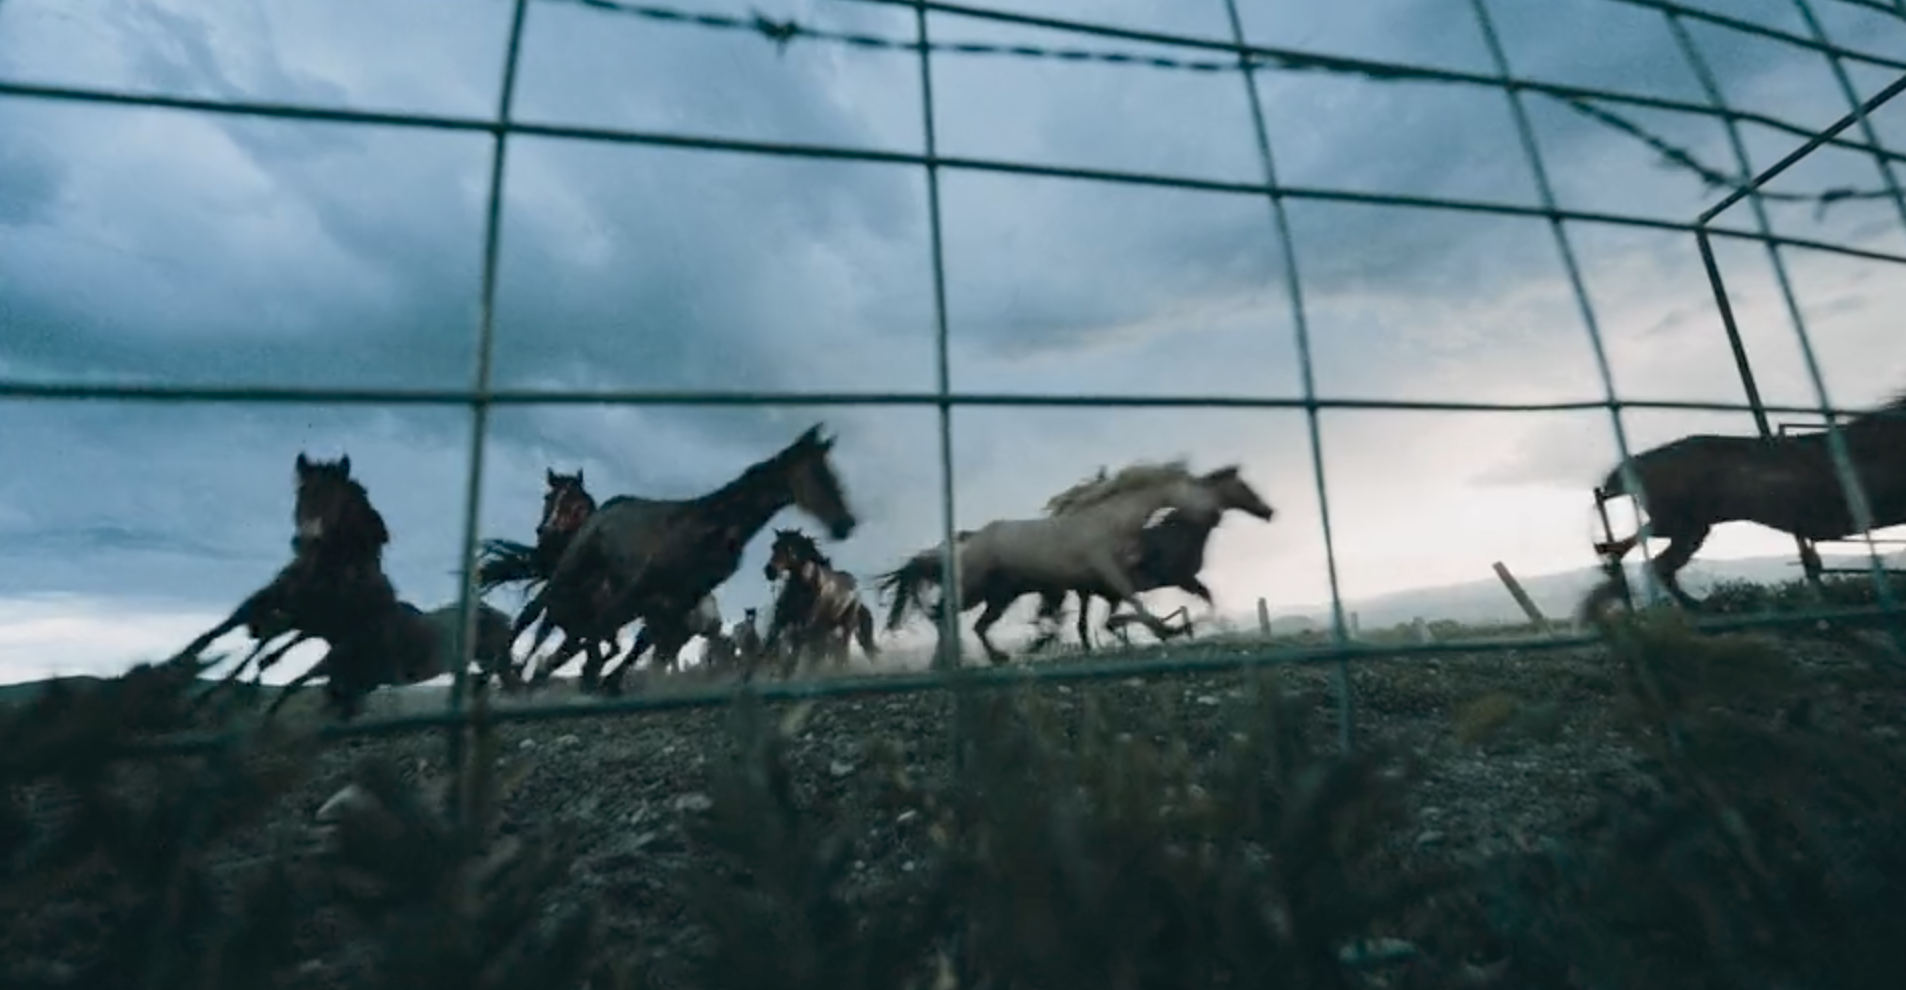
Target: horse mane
<point x="804" y="545"/>
<point x="379" y="532"/>
<point x="1101" y="488"/>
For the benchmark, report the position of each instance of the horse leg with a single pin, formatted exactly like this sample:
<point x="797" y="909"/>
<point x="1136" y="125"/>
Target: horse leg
<point x="493" y="656"/>
<point x="236" y="673"/>
<point x="841" y="640"/>
<point x="321" y="668"/>
<point x="1618" y="549"/>
<point x="992" y="613"/>
<point x="242" y="615"/>
<point x="591" y="677"/>
<point x="1184" y="627"/>
<point x="864" y="631"/>
<point x="1085" y="621"/>
<point x="271" y="659"/>
<point x="1682" y="547"/>
<point x="942" y="655"/>
<point x="1192" y="585"/>
<point x="1615" y="582"/>
<point x="1050" y="604"/>
<point x="572" y="645"/>
<point x="1121" y="589"/>
<point x="611" y="683"/>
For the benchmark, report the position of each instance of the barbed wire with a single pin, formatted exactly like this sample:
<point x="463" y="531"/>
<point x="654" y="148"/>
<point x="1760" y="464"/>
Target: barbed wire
<point x="1714" y="178"/>
<point x="783" y="32"/>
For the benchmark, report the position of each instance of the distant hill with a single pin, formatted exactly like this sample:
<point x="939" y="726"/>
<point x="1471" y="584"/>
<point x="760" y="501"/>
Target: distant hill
<point x="1557" y="595"/>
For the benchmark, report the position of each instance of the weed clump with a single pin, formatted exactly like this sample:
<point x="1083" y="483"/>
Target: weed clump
<point x="1091" y="854"/>
<point x="1090" y="837"/>
<point x="118" y="870"/>
<point x="1759" y="848"/>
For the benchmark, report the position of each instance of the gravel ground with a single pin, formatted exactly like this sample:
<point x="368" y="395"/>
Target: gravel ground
<point x="628" y="783"/>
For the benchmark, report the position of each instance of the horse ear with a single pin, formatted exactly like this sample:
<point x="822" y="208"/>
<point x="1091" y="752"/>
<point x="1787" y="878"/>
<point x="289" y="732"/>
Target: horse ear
<point x="304" y="464"/>
<point x="579" y="477"/>
<point x="344" y="464"/>
<point x="549" y="476"/>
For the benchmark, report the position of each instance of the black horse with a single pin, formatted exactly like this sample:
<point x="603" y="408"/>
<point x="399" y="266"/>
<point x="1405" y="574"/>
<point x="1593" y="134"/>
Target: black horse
<point x="661" y="557"/>
<point x="1787" y="483"/>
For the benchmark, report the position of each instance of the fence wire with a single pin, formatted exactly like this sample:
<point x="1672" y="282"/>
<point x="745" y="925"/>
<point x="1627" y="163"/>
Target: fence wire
<point x="1207" y="55"/>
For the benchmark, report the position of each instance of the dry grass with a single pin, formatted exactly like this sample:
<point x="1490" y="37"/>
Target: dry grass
<point x="1516" y="756"/>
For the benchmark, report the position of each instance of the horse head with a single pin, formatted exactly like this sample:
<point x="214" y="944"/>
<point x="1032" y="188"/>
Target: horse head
<point x="333" y="510"/>
<point x="791" y="549"/>
<point x="566" y="506"/>
<point x="1234" y="493"/>
<point x="813" y="485"/>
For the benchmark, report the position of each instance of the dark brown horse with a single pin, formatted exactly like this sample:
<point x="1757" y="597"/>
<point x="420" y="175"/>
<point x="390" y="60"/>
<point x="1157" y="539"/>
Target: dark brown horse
<point x="398" y="644"/>
<point x="1089" y="539"/>
<point x="669" y="637"/>
<point x="819" y="608"/>
<point x="1786" y="483"/>
<point x="567" y="504"/>
<point x="337" y="566"/>
<point x="664" y="556"/>
<point x="1170" y="555"/>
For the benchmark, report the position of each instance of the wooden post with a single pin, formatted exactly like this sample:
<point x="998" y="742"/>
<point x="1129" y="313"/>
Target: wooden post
<point x="1422" y="630"/>
<point x="1522" y="597"/>
<point x="1263" y="617"/>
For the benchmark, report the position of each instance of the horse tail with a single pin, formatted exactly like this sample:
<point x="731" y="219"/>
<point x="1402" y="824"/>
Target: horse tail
<point x="903" y="584"/>
<point x="502" y="562"/>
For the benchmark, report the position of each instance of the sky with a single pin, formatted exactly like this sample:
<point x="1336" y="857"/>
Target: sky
<point x="142" y="245"/>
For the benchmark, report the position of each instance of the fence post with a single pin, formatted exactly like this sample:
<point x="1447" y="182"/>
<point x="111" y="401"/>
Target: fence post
<point x="1522" y="598"/>
<point x="1263" y="617"/>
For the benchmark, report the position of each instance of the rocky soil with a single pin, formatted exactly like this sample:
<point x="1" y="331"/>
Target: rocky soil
<point x="1516" y="747"/>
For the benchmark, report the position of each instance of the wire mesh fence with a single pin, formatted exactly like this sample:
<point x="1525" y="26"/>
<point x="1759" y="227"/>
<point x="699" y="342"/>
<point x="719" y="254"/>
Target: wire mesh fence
<point x="1736" y="184"/>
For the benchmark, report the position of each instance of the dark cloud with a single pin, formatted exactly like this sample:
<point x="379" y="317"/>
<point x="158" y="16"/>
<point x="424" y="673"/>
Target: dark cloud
<point x="30" y="180"/>
<point x="149" y="246"/>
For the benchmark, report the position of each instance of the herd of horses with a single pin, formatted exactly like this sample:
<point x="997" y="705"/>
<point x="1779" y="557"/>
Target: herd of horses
<point x="596" y="569"/>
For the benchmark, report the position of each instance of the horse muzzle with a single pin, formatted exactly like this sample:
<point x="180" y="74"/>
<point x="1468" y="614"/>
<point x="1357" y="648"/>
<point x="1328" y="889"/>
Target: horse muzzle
<point x="843" y="527"/>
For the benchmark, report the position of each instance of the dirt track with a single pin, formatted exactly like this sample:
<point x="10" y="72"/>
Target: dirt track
<point x="628" y="783"/>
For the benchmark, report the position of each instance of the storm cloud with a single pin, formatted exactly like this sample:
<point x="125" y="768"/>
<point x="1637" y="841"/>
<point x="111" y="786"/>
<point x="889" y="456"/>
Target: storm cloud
<point x="158" y="246"/>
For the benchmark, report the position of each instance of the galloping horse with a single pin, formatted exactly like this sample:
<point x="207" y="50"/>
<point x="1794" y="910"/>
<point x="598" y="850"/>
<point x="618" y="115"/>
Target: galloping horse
<point x="399" y="644"/>
<point x="1786" y="483"/>
<point x="336" y="568"/>
<point x="1170" y="555"/>
<point x="567" y="504"/>
<point x="1093" y="543"/>
<point x="818" y="607"/>
<point x="337" y="591"/>
<point x="664" y="556"/>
